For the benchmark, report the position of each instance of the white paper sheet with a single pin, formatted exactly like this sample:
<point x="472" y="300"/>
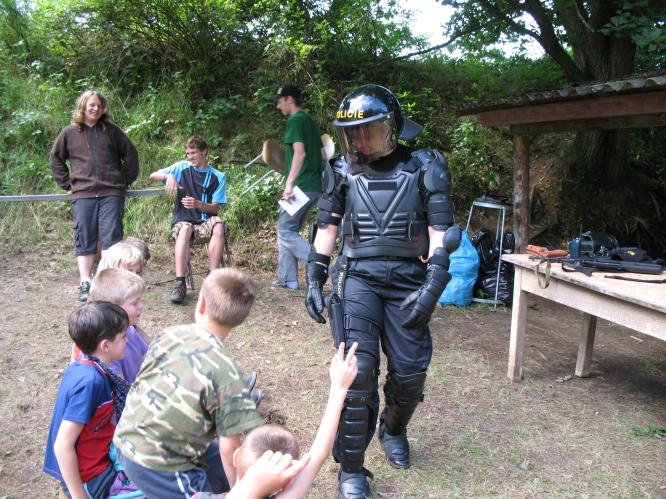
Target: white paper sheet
<point x="294" y="205"/>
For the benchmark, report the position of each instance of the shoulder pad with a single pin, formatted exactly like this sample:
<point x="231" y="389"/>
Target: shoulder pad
<point x="424" y="157"/>
<point x="436" y="176"/>
<point x="327" y="180"/>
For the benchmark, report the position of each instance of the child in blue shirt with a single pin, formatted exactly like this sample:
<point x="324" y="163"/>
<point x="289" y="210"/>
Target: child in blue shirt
<point x="89" y="402"/>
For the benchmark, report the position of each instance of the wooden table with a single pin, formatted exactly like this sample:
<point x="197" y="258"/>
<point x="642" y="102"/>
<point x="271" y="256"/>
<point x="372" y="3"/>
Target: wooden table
<point x="636" y="305"/>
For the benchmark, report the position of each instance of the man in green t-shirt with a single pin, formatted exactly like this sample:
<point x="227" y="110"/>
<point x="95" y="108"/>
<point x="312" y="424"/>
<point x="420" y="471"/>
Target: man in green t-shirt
<point x="302" y="168"/>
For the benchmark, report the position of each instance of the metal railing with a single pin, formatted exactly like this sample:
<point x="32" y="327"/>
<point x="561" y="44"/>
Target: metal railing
<point x="68" y="197"/>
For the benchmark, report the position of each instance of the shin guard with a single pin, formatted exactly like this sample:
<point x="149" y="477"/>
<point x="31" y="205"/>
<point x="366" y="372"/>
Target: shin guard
<point x="402" y="394"/>
<point x="352" y="438"/>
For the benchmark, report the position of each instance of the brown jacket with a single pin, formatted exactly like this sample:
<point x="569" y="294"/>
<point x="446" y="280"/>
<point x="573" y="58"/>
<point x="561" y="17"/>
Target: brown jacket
<point x="104" y="162"/>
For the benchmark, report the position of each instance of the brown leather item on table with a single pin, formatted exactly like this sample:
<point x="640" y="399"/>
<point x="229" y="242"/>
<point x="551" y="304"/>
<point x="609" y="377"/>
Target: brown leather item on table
<point x="545" y="252"/>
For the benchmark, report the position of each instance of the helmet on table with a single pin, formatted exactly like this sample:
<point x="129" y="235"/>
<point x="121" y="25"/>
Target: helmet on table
<point x="369" y="123"/>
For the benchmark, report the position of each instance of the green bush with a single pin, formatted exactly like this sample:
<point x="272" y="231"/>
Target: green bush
<point x="480" y="162"/>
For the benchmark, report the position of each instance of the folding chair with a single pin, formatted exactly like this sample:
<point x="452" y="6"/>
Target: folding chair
<point x="225" y="262"/>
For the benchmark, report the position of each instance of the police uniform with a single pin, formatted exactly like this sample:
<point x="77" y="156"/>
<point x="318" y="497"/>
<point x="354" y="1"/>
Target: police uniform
<point x="387" y="205"/>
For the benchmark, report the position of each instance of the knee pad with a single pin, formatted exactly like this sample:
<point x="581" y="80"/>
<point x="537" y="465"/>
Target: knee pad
<point x="404" y="390"/>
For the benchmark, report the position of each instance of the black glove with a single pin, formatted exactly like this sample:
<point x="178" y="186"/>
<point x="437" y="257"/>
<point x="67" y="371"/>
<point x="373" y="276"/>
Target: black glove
<point x="316" y="273"/>
<point x="424" y="300"/>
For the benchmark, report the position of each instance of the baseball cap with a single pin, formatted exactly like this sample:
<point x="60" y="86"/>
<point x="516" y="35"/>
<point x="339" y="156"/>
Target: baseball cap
<point x="287" y="91"/>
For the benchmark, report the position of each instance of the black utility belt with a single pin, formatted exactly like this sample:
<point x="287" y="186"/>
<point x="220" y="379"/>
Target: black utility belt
<point x="387" y="258"/>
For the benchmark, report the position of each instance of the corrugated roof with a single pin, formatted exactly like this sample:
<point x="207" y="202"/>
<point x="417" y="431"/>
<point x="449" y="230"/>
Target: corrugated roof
<point x="627" y="85"/>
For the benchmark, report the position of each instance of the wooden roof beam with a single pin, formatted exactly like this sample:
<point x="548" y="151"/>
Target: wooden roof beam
<point x="616" y="106"/>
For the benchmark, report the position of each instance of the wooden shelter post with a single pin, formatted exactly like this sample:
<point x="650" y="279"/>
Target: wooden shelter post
<point x="521" y="191"/>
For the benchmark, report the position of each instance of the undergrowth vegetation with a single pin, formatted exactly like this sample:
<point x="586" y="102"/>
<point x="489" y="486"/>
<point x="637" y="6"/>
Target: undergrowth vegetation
<point x="208" y="68"/>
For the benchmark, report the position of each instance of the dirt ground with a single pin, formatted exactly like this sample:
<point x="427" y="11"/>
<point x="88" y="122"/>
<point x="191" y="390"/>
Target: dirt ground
<point x="476" y="434"/>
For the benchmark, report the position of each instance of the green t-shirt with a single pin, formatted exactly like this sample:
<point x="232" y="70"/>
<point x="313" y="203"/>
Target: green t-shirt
<point x="302" y="128"/>
<point x="189" y="391"/>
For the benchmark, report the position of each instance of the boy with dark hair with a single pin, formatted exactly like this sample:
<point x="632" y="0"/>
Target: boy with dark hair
<point x="189" y="392"/>
<point x="200" y="190"/>
<point x="302" y="169"/>
<point x="88" y="404"/>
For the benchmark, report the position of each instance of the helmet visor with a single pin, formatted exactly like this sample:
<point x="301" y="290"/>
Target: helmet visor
<point x="367" y="142"/>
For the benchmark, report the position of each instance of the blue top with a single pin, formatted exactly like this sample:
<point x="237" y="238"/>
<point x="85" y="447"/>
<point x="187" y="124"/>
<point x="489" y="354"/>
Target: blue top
<point x="208" y="185"/>
<point x="84" y="397"/>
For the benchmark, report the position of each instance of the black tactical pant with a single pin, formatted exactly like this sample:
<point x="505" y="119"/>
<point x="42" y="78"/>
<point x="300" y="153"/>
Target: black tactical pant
<point x="373" y="292"/>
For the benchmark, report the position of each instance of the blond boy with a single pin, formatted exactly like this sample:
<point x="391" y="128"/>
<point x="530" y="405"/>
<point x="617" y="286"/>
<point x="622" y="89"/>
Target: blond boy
<point x="189" y="393"/>
<point x="126" y="289"/>
<point x="123" y="255"/>
<point x="266" y="463"/>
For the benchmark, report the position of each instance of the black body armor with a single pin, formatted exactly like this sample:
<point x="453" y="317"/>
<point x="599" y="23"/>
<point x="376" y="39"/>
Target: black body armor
<point x="387" y="212"/>
<point x="384" y="213"/>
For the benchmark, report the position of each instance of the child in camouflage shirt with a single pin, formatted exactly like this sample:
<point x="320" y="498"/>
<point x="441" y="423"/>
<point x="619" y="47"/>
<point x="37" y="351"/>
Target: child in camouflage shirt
<point x="190" y="392"/>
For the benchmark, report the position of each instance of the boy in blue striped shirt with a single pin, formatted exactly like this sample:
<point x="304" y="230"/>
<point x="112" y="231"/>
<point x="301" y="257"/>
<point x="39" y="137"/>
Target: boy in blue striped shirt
<point x="200" y="190"/>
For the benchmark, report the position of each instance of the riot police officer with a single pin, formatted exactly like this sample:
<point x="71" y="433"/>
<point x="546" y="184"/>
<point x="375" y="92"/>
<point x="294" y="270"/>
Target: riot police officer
<point x="391" y="206"/>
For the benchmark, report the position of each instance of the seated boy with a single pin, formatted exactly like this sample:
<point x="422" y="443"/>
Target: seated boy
<point x="200" y="190"/>
<point x="261" y="467"/>
<point x="88" y="402"/>
<point x="127" y="289"/>
<point x="188" y="392"/>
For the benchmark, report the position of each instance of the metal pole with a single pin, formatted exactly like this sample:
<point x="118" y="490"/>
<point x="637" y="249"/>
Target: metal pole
<point x="258" y="181"/>
<point x="68" y="197"/>
<point x="254" y="160"/>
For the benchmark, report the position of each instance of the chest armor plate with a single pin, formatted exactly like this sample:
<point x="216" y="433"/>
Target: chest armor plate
<point x="384" y="215"/>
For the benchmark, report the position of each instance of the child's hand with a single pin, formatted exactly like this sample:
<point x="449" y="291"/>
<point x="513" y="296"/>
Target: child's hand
<point x="343" y="370"/>
<point x="272" y="472"/>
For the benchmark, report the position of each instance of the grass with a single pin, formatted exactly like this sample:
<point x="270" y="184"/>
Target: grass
<point x="475" y="435"/>
<point x="651" y="430"/>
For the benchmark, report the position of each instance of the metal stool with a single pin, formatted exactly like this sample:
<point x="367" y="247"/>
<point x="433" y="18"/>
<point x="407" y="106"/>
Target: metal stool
<point x="502" y="207"/>
<point x="225" y="262"/>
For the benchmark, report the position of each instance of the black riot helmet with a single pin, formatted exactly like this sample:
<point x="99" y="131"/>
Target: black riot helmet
<point x="369" y="123"/>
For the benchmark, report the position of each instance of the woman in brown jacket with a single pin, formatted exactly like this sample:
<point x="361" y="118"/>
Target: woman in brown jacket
<point x="103" y="162"/>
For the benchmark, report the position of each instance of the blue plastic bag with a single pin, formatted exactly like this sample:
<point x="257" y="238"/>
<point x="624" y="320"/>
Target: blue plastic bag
<point x="464" y="270"/>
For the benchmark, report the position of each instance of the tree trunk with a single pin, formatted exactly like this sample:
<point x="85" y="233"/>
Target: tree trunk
<point x="602" y="154"/>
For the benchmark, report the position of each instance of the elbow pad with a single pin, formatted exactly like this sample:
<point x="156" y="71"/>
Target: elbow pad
<point x="437" y="182"/>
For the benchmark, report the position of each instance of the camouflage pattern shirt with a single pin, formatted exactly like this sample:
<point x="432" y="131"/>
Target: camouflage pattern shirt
<point x="189" y="391"/>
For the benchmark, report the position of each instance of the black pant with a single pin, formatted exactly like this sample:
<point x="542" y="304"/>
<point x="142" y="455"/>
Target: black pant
<point x="373" y="292"/>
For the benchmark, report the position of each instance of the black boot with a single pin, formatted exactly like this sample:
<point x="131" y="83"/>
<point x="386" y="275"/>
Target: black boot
<point x="396" y="447"/>
<point x="354" y="485"/>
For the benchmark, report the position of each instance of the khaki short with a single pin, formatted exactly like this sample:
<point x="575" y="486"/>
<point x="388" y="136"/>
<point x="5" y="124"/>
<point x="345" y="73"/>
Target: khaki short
<point x="201" y="233"/>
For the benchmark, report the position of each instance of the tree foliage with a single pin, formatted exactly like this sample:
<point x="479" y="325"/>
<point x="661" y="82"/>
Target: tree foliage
<point x="172" y="69"/>
<point x="588" y="39"/>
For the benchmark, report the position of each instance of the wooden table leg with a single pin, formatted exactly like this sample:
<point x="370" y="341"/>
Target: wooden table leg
<point x="586" y="345"/>
<point x="518" y="322"/>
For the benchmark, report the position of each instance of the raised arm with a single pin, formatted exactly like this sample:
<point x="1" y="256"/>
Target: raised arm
<point x="342" y="372"/>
